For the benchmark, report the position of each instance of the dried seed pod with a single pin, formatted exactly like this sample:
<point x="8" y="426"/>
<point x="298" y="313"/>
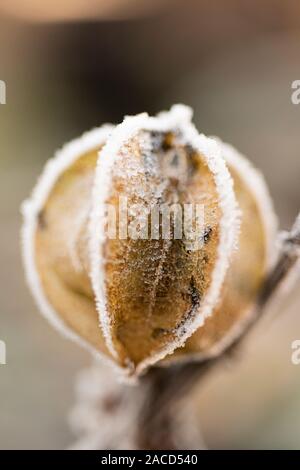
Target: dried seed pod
<point x="54" y="237"/>
<point x="151" y="292"/>
<point x="252" y="260"/>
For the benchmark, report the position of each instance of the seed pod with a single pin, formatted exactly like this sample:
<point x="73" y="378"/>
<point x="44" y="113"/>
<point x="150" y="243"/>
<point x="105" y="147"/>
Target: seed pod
<point x="55" y="236"/>
<point x="152" y="292"/>
<point x="251" y="262"/>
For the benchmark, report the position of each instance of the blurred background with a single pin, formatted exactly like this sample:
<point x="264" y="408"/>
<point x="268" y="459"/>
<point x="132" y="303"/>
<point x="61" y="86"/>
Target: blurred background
<point x="72" y="65"/>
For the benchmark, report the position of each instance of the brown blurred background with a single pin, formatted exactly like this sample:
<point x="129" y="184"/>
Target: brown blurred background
<point x="69" y="66"/>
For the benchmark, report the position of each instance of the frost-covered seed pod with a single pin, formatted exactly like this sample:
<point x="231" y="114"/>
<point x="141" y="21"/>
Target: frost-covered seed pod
<point x="134" y="301"/>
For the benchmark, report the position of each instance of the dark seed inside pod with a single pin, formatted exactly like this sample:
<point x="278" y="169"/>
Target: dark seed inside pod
<point x="207" y="234"/>
<point x="42" y="223"/>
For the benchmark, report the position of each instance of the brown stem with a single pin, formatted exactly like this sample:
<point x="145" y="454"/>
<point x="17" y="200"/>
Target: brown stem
<point x="166" y="386"/>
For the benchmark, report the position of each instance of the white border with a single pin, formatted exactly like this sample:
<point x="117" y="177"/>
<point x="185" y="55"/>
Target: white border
<point x="178" y="117"/>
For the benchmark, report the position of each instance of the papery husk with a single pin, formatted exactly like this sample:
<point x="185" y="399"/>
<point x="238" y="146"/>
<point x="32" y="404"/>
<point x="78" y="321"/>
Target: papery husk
<point x="55" y="224"/>
<point x="131" y="302"/>
<point x="153" y="294"/>
<point x="255" y="255"/>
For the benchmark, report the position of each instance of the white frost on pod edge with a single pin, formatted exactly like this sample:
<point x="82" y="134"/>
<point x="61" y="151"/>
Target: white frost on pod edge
<point x="256" y="183"/>
<point x="30" y="209"/>
<point x="254" y="179"/>
<point x="179" y="117"/>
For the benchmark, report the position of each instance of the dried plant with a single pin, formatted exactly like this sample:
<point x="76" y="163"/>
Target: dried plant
<point x="160" y="306"/>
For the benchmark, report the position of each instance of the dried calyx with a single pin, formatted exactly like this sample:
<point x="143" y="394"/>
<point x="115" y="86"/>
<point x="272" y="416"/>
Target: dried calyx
<point x="146" y="292"/>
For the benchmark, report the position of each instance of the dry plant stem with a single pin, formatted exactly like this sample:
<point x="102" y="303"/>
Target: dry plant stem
<point x="167" y="386"/>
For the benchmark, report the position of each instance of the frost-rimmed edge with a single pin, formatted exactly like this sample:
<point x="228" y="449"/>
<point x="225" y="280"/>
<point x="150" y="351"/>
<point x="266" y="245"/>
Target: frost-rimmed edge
<point x="255" y="181"/>
<point x="178" y="117"/>
<point x="30" y="209"/>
